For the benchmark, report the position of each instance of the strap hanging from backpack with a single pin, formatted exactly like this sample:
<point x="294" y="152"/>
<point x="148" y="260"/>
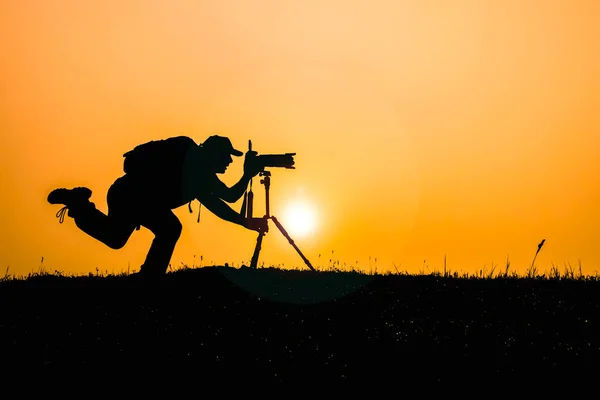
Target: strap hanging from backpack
<point x="199" y="207"/>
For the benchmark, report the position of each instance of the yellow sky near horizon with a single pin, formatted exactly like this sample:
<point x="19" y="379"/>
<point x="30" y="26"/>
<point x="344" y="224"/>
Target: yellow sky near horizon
<point x="422" y="128"/>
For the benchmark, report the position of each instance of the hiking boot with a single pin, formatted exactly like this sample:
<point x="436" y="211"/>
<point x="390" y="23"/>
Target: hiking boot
<point x="69" y="197"/>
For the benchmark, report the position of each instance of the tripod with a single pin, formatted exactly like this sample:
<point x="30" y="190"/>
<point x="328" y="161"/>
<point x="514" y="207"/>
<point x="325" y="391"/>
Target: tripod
<point x="266" y="181"/>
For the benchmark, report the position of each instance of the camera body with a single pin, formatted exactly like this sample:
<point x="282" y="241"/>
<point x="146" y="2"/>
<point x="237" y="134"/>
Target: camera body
<point x="276" y="160"/>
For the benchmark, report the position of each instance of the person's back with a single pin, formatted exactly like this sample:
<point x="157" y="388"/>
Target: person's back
<point x="158" y="169"/>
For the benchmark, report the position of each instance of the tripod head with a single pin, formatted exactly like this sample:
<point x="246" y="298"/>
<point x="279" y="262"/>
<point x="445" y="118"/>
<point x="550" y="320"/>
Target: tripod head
<point x="267" y="178"/>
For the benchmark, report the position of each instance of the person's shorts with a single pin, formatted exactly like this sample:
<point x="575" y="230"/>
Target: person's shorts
<point x="130" y="200"/>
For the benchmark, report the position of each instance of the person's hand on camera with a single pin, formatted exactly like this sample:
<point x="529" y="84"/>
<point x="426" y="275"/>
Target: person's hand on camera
<point x="256" y="224"/>
<point x="251" y="165"/>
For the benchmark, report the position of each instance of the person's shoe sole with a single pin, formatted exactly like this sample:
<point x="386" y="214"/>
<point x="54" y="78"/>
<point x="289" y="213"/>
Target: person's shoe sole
<point x="62" y="195"/>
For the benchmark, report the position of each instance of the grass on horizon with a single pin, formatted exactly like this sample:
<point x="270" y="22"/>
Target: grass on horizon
<point x="569" y="272"/>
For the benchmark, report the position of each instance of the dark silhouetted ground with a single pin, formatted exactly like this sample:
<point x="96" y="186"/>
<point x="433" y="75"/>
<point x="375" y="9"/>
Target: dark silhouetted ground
<point x="305" y="327"/>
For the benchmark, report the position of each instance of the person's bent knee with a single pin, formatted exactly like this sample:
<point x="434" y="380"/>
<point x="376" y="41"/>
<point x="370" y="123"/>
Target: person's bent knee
<point x="116" y="243"/>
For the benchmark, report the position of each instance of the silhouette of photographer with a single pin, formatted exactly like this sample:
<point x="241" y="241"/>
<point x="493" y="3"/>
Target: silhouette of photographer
<point x="162" y="175"/>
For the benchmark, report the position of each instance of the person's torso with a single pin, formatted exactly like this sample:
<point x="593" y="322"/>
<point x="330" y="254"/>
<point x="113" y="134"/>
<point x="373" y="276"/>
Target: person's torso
<point x="180" y="184"/>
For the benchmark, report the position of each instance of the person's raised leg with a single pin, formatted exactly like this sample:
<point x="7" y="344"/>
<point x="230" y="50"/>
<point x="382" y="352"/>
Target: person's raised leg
<point x="108" y="229"/>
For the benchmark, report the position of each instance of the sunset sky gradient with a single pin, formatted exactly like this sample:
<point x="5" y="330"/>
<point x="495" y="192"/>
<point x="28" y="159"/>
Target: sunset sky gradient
<point x="467" y="129"/>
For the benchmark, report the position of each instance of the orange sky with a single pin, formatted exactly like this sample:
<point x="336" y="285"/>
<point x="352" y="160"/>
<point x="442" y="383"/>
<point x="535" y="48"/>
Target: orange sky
<point x="422" y="128"/>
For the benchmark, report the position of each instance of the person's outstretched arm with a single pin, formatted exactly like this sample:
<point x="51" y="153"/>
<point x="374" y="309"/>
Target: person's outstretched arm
<point x="223" y="211"/>
<point x="234" y="193"/>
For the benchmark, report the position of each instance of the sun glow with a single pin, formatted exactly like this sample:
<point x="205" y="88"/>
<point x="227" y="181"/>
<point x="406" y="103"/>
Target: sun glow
<point x="299" y="219"/>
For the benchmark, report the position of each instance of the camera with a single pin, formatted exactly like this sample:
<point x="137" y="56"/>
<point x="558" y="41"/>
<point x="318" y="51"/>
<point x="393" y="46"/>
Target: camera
<point x="263" y="161"/>
<point x="276" y="160"/>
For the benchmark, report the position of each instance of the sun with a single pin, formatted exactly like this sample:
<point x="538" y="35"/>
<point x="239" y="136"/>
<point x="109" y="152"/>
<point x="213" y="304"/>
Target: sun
<point x="299" y="219"/>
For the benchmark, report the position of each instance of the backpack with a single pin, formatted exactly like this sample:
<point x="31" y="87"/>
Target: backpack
<point x="158" y="157"/>
<point x="162" y="158"/>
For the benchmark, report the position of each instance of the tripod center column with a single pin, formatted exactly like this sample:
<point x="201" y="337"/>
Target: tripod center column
<point x="267" y="182"/>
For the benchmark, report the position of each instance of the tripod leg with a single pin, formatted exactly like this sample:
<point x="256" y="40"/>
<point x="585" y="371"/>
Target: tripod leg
<point x="259" y="240"/>
<point x="283" y="231"/>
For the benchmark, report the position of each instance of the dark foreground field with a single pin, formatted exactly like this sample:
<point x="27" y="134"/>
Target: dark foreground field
<point x="300" y="326"/>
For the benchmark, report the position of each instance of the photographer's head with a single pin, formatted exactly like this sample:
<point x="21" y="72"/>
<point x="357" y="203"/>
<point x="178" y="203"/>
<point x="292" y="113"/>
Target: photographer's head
<point x="217" y="151"/>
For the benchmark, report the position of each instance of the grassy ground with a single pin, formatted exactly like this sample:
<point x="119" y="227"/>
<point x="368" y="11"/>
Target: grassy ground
<point x="275" y="325"/>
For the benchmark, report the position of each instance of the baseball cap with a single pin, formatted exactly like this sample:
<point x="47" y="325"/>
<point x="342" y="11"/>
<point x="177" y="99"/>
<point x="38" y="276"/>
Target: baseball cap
<point x="220" y="144"/>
